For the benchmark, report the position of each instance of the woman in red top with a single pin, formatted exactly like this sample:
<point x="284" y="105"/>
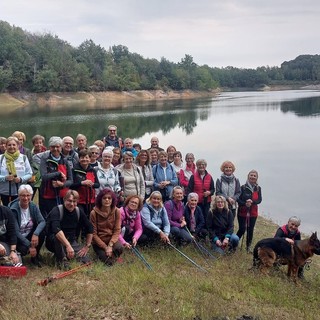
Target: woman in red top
<point x="248" y="202"/>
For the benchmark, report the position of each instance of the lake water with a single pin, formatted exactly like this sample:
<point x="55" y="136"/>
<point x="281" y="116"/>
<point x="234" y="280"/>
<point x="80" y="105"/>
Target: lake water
<point x="276" y="133"/>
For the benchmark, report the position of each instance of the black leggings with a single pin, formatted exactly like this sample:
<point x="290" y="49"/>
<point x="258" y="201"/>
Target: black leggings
<point x="244" y="228"/>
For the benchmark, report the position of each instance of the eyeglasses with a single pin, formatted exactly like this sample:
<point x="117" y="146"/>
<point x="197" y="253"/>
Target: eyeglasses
<point x="94" y="152"/>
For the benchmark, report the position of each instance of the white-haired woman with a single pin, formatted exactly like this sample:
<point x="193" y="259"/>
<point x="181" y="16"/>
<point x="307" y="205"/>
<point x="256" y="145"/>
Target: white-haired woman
<point x="194" y="217"/>
<point x="155" y="220"/>
<point x="30" y="224"/>
<point x="220" y="226"/>
<point x="15" y="169"/>
<point x="107" y="175"/>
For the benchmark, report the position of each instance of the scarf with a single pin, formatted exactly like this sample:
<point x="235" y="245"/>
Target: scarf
<point x="130" y="216"/>
<point x="251" y="186"/>
<point x="228" y="185"/>
<point x="10" y="159"/>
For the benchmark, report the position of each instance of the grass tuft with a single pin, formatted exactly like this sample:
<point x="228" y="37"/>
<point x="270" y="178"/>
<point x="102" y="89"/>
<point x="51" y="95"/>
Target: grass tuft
<point x="175" y="289"/>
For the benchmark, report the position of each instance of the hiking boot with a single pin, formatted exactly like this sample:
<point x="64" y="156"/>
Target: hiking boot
<point x="36" y="262"/>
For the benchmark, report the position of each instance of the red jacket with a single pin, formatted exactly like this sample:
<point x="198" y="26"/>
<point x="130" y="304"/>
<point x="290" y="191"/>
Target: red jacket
<point x="199" y="185"/>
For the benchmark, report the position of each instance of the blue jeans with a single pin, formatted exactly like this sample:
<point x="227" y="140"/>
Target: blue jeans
<point x="233" y="243"/>
<point x="180" y="234"/>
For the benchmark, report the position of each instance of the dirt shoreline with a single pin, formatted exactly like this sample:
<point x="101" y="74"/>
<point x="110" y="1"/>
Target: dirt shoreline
<point x="96" y="98"/>
<point x="22" y="99"/>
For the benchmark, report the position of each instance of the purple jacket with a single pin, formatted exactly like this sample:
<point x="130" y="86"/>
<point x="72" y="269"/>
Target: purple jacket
<point x="175" y="212"/>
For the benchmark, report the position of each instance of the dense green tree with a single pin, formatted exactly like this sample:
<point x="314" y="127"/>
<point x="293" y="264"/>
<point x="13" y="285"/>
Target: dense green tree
<point x="43" y="63"/>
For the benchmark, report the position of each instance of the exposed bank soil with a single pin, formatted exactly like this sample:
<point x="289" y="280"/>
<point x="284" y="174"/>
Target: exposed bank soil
<point x="97" y="98"/>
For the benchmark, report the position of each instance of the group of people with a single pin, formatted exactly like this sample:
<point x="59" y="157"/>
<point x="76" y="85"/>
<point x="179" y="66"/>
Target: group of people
<point x="113" y="195"/>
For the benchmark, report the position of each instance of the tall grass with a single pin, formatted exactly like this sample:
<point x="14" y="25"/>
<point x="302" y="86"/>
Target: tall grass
<point x="175" y="289"/>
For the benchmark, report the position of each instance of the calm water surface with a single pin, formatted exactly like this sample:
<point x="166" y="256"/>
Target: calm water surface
<point x="276" y="133"/>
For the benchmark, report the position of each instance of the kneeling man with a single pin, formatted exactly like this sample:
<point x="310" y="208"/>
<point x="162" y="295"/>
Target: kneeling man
<point x="63" y="226"/>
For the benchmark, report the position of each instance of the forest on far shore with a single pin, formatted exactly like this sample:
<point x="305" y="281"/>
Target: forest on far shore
<point x="44" y="63"/>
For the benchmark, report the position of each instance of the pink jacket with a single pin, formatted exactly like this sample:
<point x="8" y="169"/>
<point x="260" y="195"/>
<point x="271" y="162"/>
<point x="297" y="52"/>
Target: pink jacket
<point x="135" y="225"/>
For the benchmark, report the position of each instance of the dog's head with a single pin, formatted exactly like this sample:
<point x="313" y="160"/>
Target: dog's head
<point x="315" y="243"/>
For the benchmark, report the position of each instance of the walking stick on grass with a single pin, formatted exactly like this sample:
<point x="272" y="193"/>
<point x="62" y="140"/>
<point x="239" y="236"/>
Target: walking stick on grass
<point x="10" y="188"/>
<point x="45" y="281"/>
<point x="200" y="247"/>
<point x="189" y="259"/>
<point x="141" y="257"/>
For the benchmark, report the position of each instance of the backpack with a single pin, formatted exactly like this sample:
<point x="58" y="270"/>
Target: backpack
<point x="60" y="207"/>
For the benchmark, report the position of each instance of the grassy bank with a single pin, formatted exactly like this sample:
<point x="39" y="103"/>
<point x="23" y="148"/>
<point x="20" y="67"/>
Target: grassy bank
<point x="175" y="289"/>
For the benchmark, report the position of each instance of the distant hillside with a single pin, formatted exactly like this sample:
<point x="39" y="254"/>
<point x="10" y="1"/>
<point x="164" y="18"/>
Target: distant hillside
<point x="44" y="63"/>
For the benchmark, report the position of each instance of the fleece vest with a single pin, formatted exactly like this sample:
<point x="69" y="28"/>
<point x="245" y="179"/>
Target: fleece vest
<point x="86" y="194"/>
<point x="201" y="185"/>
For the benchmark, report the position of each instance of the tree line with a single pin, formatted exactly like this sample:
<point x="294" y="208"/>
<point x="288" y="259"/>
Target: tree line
<point x="44" y="63"/>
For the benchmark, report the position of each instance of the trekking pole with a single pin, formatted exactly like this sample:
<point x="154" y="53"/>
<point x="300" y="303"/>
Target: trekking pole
<point x="200" y="247"/>
<point x="141" y="257"/>
<point x="10" y="190"/>
<point x="17" y="184"/>
<point x="189" y="259"/>
<point x="206" y="251"/>
<point x="45" y="281"/>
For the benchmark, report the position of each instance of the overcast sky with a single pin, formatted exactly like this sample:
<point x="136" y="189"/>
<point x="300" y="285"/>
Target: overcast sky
<point x="239" y="33"/>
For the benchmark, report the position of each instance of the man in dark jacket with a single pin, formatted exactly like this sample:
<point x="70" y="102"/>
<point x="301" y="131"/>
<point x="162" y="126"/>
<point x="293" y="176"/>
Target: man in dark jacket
<point x="62" y="225"/>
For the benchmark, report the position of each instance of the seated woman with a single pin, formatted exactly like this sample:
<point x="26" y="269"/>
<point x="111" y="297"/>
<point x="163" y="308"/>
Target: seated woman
<point x="8" y="237"/>
<point x="290" y="232"/>
<point x="155" y="220"/>
<point x="30" y="224"/>
<point x="106" y="221"/>
<point x="175" y="211"/>
<point x="131" y="226"/>
<point x="194" y="217"/>
<point x="220" y="226"/>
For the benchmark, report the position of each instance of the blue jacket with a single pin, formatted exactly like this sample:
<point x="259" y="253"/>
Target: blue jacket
<point x="154" y="220"/>
<point x="158" y="174"/>
<point x="36" y="218"/>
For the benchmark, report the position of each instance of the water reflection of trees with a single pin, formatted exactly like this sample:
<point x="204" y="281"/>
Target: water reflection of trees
<point x="306" y="107"/>
<point x="133" y="121"/>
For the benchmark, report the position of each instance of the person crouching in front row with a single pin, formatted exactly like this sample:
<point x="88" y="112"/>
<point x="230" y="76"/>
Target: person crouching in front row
<point x="156" y="225"/>
<point x="106" y="220"/>
<point x="62" y="225"/>
<point x="220" y="226"/>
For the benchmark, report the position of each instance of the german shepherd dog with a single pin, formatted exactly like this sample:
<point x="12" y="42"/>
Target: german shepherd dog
<point x="270" y="251"/>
